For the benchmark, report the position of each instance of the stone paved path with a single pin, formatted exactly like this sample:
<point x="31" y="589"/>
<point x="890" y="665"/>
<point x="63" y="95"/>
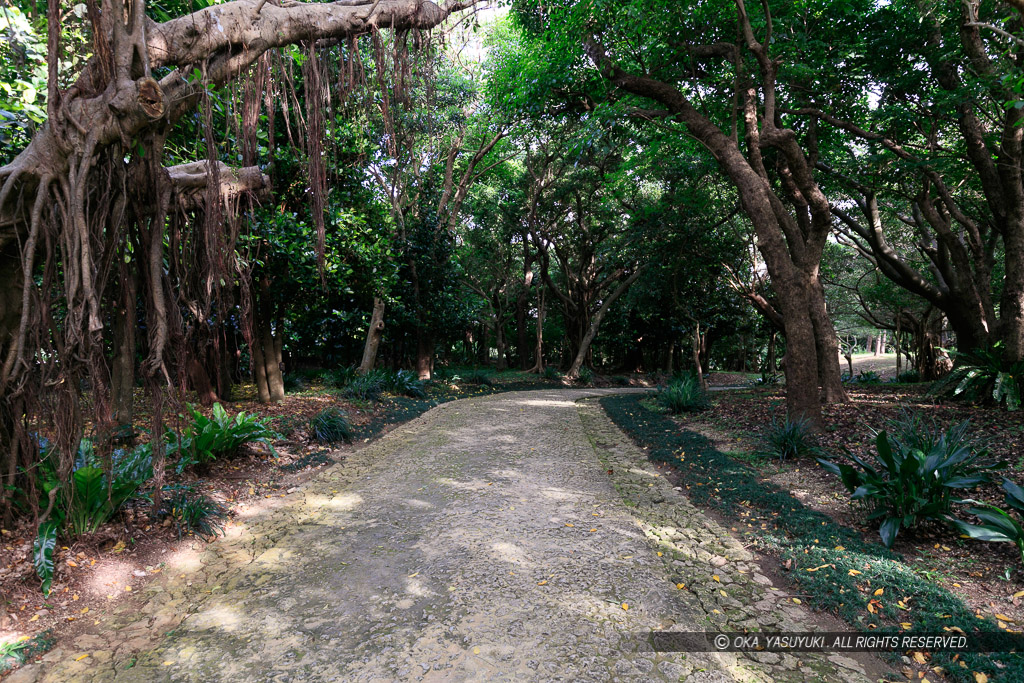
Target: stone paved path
<point x="482" y="541"/>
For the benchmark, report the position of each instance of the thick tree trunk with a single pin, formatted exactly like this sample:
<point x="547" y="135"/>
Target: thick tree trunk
<point x="259" y="369"/>
<point x="424" y="354"/>
<point x="772" y="360"/>
<point x="827" y="345"/>
<point x="373" y="336"/>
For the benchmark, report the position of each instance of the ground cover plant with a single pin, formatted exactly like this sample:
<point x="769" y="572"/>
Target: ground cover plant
<point x="863" y="582"/>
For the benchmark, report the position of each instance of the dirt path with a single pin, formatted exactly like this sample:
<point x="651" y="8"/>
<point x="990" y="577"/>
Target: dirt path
<point x="482" y="541"/>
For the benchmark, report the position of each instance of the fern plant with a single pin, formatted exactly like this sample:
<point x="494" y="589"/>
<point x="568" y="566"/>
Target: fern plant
<point x="195" y="514"/>
<point x="219" y="436"/>
<point x="684" y="394"/>
<point x="997" y="525"/>
<point x="915" y="474"/>
<point x="980" y="376"/>
<point x="330" y="426"/>
<point x="791" y="439"/>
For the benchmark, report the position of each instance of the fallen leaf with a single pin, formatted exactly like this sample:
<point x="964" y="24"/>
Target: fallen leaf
<point x="542" y="583"/>
<point x="625" y="606"/>
<point x="880" y="591"/>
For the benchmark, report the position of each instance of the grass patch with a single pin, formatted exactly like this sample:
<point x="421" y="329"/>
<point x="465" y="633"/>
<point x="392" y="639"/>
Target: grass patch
<point x="831" y="563"/>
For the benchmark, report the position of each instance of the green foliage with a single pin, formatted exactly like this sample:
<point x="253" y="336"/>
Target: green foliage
<point x="864" y="377"/>
<point x="997" y="525"/>
<point x="330" y="425"/>
<point x="92" y="497"/>
<point x="219" y="436"/>
<point x="915" y="473"/>
<point x="195" y="514"/>
<point x="14" y="653"/>
<point x="684" y="395"/>
<point x="406" y="383"/>
<point x="586" y="375"/>
<point x="479" y="376"/>
<point x="551" y="372"/>
<point x="42" y="555"/>
<point x="907" y="377"/>
<point x="843" y="561"/>
<point x="367" y="387"/>
<point x="791" y="439"/>
<point x="294" y="384"/>
<point x="979" y="376"/>
<point x="768" y="379"/>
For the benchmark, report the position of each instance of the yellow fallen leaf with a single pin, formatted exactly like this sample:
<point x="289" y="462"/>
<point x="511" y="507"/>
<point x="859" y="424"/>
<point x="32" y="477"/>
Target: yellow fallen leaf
<point x="724" y="594"/>
<point x="905" y="625"/>
<point x="593" y="529"/>
<point x="570" y="525"/>
<point x="168" y="663"/>
<point x="680" y="586"/>
<point x="74" y="597"/>
<point x="1019" y="594"/>
<point x="659" y="553"/>
<point x="980" y="677"/>
<point x="625" y="606"/>
<point x="1004" y="617"/>
<point x="84" y="611"/>
<point x="35" y="617"/>
<point x="854" y="572"/>
<point x="879" y="591"/>
<point x="919" y="657"/>
<point x="542" y="583"/>
<point x="81" y="657"/>
<point x="796" y="600"/>
<point x="715" y="577"/>
<point x="128" y="589"/>
<point x="72" y="563"/>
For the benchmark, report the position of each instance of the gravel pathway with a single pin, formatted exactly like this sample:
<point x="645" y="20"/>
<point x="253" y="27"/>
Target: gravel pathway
<point x="485" y="540"/>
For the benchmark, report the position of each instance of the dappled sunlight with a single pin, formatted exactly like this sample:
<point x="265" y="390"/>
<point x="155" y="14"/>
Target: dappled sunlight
<point x="342" y="502"/>
<point x="511" y="553"/>
<point x="414" y="586"/>
<point x="547" y="403"/>
<point x="475" y="484"/>
<point x="221" y="616"/>
<point x="417" y="503"/>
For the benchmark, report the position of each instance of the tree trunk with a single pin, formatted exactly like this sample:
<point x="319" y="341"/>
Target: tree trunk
<point x="499" y="341"/>
<point x="772" y="361"/>
<point x="588" y="338"/>
<point x="827" y="345"/>
<point x="270" y="348"/>
<point x="521" y="342"/>
<point x="259" y="369"/>
<point x="696" y="358"/>
<point x="122" y="379"/>
<point x="538" y="350"/>
<point x="424" y="354"/>
<point x="373" y="336"/>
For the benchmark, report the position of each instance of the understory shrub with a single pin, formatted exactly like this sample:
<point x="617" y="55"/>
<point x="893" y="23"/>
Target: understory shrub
<point x="330" y="425"/>
<point x="551" y="372"/>
<point x="195" y="513"/>
<point x="907" y="377"/>
<point x="294" y="383"/>
<point x="218" y="436"/>
<point x="683" y="395"/>
<point x="586" y="375"/>
<point x="979" y="376"/>
<point x="915" y="474"/>
<point x="864" y="377"/>
<point x="406" y="383"/>
<point x="367" y="387"/>
<point x="478" y="376"/>
<point x="791" y="439"/>
<point x="997" y="525"/>
<point x="89" y="499"/>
